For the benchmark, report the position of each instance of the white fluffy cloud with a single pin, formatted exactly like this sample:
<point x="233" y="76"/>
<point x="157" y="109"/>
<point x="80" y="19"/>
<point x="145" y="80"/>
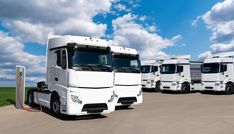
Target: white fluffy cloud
<point x="220" y="19"/>
<point x="12" y="53"/>
<point x="127" y="32"/>
<point x="34" y="20"/>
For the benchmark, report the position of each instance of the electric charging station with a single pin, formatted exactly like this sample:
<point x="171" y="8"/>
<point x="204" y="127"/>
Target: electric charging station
<point x="20" y="87"/>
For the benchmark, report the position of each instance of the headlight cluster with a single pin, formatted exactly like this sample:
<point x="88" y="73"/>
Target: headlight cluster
<point x="173" y="83"/>
<point x="112" y="97"/>
<point x="76" y="99"/>
<point x="140" y="93"/>
<point x="218" y="83"/>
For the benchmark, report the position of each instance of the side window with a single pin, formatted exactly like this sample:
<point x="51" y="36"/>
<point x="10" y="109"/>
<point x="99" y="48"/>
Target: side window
<point x="223" y="68"/>
<point x="180" y="69"/>
<point x="154" y="68"/>
<point x="134" y="63"/>
<point x="58" y="52"/>
<point x="103" y="60"/>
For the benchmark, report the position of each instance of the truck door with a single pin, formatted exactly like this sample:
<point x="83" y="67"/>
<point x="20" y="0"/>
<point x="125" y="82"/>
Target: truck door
<point x="60" y="76"/>
<point x="225" y="74"/>
<point x="155" y="72"/>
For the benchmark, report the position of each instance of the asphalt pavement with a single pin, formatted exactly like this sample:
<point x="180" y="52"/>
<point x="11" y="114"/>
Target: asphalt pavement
<point x="160" y="113"/>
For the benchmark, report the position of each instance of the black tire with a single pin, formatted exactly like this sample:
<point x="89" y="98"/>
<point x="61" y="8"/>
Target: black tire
<point x="229" y="89"/>
<point x="185" y="88"/>
<point x="30" y="98"/>
<point x="157" y="87"/>
<point x="55" y="106"/>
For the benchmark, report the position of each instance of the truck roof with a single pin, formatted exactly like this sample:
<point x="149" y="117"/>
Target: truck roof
<point x="152" y="62"/>
<point x="217" y="60"/>
<point x="180" y="61"/>
<point x="58" y="41"/>
<point x="123" y="50"/>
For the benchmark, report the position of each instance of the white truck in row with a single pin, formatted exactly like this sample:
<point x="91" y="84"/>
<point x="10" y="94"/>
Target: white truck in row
<point x="180" y="74"/>
<point x="127" y="76"/>
<point x="151" y="75"/>
<point x="80" y="79"/>
<point x="218" y="73"/>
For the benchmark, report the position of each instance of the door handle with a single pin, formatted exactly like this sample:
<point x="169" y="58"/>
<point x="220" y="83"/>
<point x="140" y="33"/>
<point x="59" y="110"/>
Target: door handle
<point x="56" y="79"/>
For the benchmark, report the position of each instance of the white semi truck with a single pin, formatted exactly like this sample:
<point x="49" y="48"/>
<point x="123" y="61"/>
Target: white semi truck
<point x="218" y="73"/>
<point x="79" y="77"/>
<point x="151" y="75"/>
<point x="127" y="76"/>
<point x="180" y="74"/>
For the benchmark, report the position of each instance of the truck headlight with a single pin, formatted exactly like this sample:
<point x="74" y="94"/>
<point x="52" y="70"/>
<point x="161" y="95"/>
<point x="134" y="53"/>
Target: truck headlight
<point x="152" y="81"/>
<point x="76" y="99"/>
<point x="217" y="84"/>
<point x="173" y="84"/>
<point x="140" y="93"/>
<point x="112" y="97"/>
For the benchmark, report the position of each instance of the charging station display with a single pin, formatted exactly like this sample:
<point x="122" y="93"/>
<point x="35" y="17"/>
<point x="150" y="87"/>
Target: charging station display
<point x="20" y="87"/>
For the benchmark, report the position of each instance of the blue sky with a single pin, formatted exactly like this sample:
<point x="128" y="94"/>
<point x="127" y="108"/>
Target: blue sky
<point x="156" y="28"/>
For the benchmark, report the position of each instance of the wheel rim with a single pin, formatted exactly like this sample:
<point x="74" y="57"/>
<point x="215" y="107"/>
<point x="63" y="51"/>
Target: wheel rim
<point x="157" y="86"/>
<point x="185" y="89"/>
<point x="56" y="106"/>
<point x="228" y="89"/>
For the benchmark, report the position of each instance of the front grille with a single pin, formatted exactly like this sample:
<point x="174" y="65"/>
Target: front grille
<point x="127" y="100"/>
<point x="209" y="87"/>
<point x="94" y="108"/>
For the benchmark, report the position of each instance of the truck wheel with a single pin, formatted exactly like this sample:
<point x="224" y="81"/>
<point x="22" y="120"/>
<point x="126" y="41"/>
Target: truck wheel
<point x="229" y="89"/>
<point x="157" y="86"/>
<point x="185" y="88"/>
<point x="30" y="98"/>
<point x="55" y="106"/>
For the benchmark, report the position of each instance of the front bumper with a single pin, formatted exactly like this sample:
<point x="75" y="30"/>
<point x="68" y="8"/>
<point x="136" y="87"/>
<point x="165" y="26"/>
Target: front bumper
<point x="172" y="86"/>
<point x="213" y="86"/>
<point x="129" y="92"/>
<point x="86" y="101"/>
<point x="148" y="84"/>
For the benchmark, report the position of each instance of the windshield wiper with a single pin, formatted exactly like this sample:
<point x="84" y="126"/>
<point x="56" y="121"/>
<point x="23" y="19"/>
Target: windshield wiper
<point x="103" y="67"/>
<point x="127" y="69"/>
<point x="84" y="65"/>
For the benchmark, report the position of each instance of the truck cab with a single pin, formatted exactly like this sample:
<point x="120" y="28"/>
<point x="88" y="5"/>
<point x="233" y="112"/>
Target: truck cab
<point x="127" y="76"/>
<point x="151" y="76"/>
<point x="218" y="73"/>
<point x="180" y="74"/>
<point x="79" y="75"/>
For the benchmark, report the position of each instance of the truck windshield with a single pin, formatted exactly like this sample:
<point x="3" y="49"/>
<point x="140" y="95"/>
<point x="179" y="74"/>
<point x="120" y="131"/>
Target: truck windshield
<point x="145" y="69"/>
<point x="126" y="63"/>
<point x="87" y="59"/>
<point x="210" y="68"/>
<point x="168" y="69"/>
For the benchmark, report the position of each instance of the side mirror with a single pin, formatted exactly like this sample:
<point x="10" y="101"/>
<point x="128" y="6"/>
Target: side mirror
<point x="223" y="68"/>
<point x="64" y="60"/>
<point x="42" y="85"/>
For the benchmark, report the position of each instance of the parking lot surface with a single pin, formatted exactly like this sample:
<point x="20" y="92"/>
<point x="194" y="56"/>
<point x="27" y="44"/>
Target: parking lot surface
<point x="160" y="113"/>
